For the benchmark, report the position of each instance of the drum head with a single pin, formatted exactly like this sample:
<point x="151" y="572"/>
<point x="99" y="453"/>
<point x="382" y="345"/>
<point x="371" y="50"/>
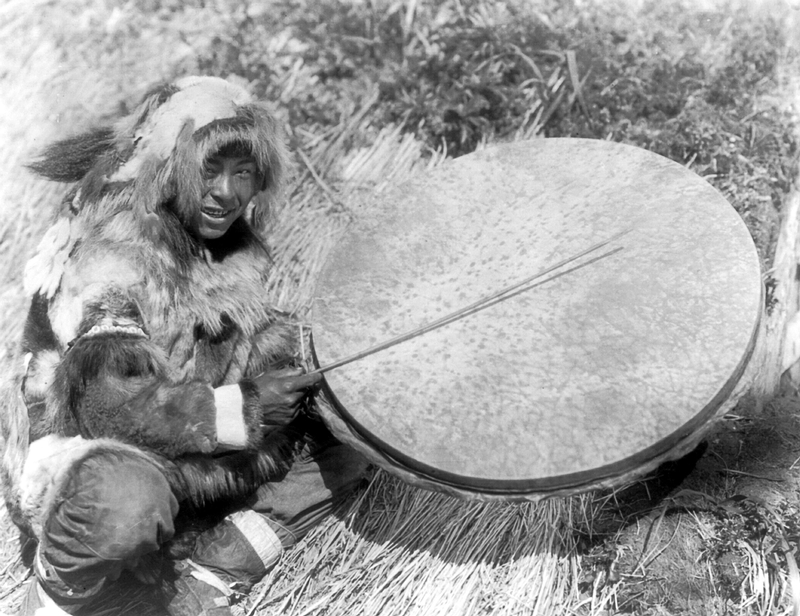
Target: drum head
<point x="573" y="383"/>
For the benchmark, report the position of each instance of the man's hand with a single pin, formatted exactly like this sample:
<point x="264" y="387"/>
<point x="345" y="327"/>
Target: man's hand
<point x="281" y="393"/>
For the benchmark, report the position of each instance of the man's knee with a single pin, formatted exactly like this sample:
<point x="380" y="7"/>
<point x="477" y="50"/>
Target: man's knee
<point x="342" y="468"/>
<point x="319" y="481"/>
<point x="114" y="508"/>
<point x="241" y="549"/>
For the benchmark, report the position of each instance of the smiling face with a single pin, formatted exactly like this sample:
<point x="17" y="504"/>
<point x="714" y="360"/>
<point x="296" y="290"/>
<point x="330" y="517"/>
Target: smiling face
<point x="232" y="180"/>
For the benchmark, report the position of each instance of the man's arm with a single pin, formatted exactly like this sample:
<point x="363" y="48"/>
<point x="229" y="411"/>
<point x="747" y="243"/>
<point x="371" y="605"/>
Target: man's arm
<point x="114" y="385"/>
<point x="112" y="381"/>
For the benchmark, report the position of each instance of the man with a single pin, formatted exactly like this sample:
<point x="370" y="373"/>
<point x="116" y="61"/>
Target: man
<point x="159" y="405"/>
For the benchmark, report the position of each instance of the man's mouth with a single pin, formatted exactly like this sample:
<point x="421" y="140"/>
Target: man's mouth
<point x="215" y="212"/>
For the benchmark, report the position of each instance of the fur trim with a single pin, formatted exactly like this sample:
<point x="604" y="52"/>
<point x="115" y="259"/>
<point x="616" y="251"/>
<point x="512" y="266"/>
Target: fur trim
<point x="275" y="347"/>
<point x="202" y="480"/>
<point x="251" y="410"/>
<point x="71" y="159"/>
<point x="98" y="357"/>
<point x="40" y="374"/>
<point x="44" y="269"/>
<point x="38" y="380"/>
<point x="38" y="333"/>
<point x="172" y="280"/>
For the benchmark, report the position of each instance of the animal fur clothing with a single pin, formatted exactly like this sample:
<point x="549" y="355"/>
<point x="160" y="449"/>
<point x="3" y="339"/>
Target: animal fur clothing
<point x="133" y="322"/>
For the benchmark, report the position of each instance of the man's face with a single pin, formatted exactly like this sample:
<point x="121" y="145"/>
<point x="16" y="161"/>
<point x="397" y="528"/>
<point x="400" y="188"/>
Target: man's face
<point x="231" y="182"/>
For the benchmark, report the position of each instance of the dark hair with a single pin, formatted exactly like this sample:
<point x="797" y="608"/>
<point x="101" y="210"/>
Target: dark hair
<point x="234" y="149"/>
<point x="233" y="137"/>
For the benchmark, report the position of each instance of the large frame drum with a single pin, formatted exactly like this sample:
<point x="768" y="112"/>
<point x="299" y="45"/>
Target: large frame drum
<point x="585" y="379"/>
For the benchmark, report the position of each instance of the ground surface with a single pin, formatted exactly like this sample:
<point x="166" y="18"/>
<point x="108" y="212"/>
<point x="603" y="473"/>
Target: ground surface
<point x="687" y="542"/>
<point x="707" y="84"/>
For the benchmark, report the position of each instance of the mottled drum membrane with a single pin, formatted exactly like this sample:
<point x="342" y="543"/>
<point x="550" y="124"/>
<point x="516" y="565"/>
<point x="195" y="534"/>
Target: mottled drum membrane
<point x="571" y="383"/>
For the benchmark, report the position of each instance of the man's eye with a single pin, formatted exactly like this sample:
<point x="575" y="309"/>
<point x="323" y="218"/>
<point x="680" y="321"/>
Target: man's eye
<point x="209" y="171"/>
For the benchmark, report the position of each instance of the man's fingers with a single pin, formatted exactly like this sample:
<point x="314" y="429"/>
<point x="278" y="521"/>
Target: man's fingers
<point x="304" y="381"/>
<point x="309" y="380"/>
<point x="283" y="373"/>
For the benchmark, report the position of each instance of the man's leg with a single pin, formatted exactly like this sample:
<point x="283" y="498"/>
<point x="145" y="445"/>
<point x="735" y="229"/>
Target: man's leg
<point x="325" y="473"/>
<point x="113" y="510"/>
<point x="246" y="545"/>
<point x="225" y="563"/>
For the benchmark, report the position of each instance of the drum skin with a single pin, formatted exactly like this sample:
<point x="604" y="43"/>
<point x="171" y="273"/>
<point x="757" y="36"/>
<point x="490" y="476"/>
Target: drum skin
<point x="584" y="380"/>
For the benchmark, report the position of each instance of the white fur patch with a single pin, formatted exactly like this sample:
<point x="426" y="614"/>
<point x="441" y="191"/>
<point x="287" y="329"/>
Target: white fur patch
<point x="65" y="316"/>
<point x="46" y="458"/>
<point x="44" y="270"/>
<point x="231" y="430"/>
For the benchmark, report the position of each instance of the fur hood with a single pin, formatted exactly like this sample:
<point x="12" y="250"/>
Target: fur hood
<point x="154" y="158"/>
<point x="136" y="184"/>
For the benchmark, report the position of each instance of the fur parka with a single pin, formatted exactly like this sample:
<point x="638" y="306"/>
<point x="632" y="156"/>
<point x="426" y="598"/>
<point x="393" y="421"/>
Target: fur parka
<point x="133" y="322"/>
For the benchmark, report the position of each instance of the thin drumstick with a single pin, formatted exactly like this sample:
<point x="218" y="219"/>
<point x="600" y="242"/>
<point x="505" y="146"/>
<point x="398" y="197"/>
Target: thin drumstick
<point x="520" y="289"/>
<point x="483" y="302"/>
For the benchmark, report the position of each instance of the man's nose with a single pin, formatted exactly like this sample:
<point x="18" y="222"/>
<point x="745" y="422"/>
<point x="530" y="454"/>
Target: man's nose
<point x="222" y="187"/>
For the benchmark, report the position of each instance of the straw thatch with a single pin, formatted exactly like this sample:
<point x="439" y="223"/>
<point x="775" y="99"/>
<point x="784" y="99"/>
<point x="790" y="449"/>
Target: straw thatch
<point x="405" y="551"/>
<point x="396" y="549"/>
